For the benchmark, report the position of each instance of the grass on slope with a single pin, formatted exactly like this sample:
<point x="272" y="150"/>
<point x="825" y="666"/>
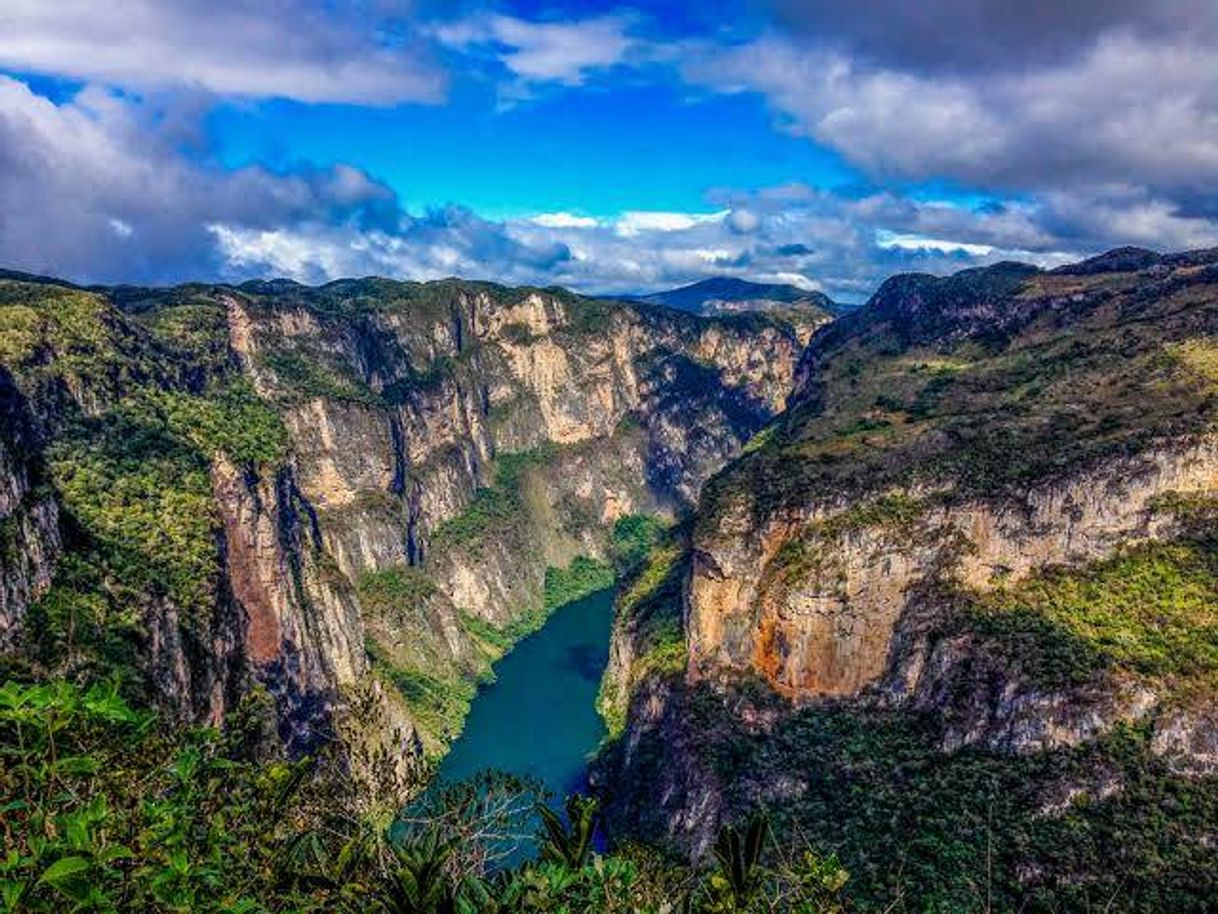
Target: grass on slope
<point x="980" y="413"/>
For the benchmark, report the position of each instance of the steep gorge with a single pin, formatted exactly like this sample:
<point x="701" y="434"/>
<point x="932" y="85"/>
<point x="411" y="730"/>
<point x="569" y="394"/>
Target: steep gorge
<point x="957" y="602"/>
<point x="353" y="495"/>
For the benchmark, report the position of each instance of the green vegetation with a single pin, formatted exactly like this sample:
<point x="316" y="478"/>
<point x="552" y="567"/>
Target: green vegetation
<point x="136" y="479"/>
<point x="490" y="508"/>
<point x="940" y="393"/>
<point x="494" y="508"/>
<point x="497" y="638"/>
<point x="304" y="376"/>
<point x="107" y="810"/>
<point x="582" y="577"/>
<point x="648" y="608"/>
<point x="438" y="704"/>
<point x="1105" y="826"/>
<point x="195" y="329"/>
<point x="968" y="406"/>
<point x="135" y="410"/>
<point x="633" y="538"/>
<point x="230" y="419"/>
<point x="95" y="353"/>
<point x="892" y="511"/>
<point x="759" y="440"/>
<point x="399" y="606"/>
<point x="381" y="592"/>
<point x="1151" y="611"/>
<point x="436" y="688"/>
<point x="144" y="497"/>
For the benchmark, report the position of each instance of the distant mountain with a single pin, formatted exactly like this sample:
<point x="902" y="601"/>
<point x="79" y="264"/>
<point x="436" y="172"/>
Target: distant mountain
<point x="725" y="293"/>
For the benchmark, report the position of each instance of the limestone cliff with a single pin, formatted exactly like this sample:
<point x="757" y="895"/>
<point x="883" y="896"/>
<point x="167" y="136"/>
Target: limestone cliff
<point x="350" y="494"/>
<point x="29" y="519"/>
<point x="985" y="521"/>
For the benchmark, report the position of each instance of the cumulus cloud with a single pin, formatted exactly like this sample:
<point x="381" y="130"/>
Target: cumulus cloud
<point x="564" y="220"/>
<point x="845" y="245"/>
<point x="636" y="222"/>
<point x="543" y="52"/>
<point x="1110" y="140"/>
<point x="281" y="48"/>
<point x="1128" y="110"/>
<point x="100" y="188"/>
<point x="985" y="35"/>
<point x="103" y="188"/>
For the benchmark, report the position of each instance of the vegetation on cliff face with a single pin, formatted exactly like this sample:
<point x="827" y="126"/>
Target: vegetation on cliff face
<point x="582" y="577"/>
<point x="986" y="380"/>
<point x="137" y="394"/>
<point x="948" y="416"/>
<point x="131" y="417"/>
<point x="359" y="418"/>
<point x="495" y="510"/>
<point x="1150" y="612"/>
<point x="438" y="689"/>
<point x="647" y="623"/>
<point x="940" y="391"/>
<point x="1107" y="825"/>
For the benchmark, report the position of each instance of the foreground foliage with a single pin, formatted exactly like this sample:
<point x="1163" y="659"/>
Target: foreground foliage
<point x="1104" y="826"/>
<point x="106" y="810"/>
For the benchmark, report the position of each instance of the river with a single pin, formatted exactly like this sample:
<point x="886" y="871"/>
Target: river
<point x="538" y="718"/>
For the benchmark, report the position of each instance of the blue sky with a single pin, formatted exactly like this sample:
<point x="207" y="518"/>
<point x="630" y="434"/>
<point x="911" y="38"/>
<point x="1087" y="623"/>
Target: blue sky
<point x="594" y="152"/>
<point x="608" y="146"/>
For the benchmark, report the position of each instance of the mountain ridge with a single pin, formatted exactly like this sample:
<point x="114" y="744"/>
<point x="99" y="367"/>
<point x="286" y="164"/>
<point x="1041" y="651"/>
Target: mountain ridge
<point x="944" y="580"/>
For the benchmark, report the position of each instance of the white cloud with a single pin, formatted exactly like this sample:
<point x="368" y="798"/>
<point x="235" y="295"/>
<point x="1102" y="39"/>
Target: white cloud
<point x="1129" y="109"/>
<point x="97" y="188"/>
<point x="638" y="221"/>
<point x="544" y="52"/>
<point x="283" y="48"/>
<point x="743" y="221"/>
<point x="806" y="237"/>
<point x="892" y="240"/>
<point x="564" y="220"/>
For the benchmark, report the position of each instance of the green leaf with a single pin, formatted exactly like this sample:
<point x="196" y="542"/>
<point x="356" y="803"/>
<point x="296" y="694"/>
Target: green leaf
<point x="76" y="765"/>
<point x="60" y="873"/>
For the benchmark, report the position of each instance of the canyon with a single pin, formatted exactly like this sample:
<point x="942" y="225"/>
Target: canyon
<point x="962" y="587"/>
<point x="932" y="580"/>
<point x="351" y="496"/>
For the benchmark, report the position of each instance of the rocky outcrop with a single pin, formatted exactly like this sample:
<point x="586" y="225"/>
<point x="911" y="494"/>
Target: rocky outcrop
<point x="422" y="400"/>
<point x="29" y="518"/>
<point x="812" y="601"/>
<point x="920" y="545"/>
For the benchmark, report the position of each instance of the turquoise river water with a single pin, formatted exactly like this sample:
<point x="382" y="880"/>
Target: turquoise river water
<point x="538" y="718"/>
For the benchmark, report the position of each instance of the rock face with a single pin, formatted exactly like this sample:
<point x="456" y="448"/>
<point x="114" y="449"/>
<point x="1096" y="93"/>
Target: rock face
<point x="349" y="494"/>
<point x="983" y="516"/>
<point x="29" y="519"/>
<point x="814" y="604"/>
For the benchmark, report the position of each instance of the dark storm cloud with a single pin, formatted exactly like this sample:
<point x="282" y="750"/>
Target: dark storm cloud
<point x="986" y="35"/>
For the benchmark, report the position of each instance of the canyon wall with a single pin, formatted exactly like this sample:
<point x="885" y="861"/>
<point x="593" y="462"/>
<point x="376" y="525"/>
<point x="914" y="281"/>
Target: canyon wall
<point x="980" y="535"/>
<point x="352" y="494"/>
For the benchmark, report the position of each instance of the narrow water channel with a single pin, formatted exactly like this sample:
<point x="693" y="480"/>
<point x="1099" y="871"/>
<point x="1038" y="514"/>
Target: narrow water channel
<point x="538" y="718"/>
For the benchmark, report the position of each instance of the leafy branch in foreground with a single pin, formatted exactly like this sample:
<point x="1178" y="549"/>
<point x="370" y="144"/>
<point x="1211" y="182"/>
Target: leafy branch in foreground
<point x="107" y="809"/>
